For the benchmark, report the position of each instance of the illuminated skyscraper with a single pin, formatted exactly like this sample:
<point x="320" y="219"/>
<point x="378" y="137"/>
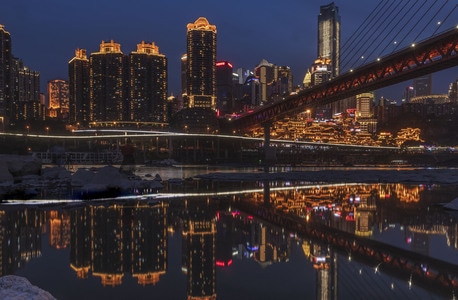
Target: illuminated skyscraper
<point x="274" y="81"/>
<point x="58" y="99"/>
<point x="5" y="71"/>
<point x="224" y="86"/>
<point x="108" y="93"/>
<point x="329" y="36"/>
<point x="201" y="60"/>
<point x="265" y="72"/>
<point x="148" y="84"/>
<point x="78" y="81"/>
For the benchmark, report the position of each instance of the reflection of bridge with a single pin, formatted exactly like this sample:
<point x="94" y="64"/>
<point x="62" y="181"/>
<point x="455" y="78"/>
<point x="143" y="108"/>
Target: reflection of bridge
<point x="437" y="53"/>
<point x="437" y="274"/>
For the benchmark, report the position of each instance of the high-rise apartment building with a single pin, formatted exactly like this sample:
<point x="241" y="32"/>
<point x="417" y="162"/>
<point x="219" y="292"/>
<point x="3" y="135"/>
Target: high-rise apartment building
<point x="329" y="36"/>
<point x="5" y="71"/>
<point x="25" y="101"/>
<point x="108" y="93"/>
<point x="148" y="84"/>
<point x="58" y="99"/>
<point x="201" y="64"/>
<point x="78" y="81"/>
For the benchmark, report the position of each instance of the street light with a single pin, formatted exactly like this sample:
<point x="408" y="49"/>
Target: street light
<point x="47" y="133"/>
<point x="28" y="129"/>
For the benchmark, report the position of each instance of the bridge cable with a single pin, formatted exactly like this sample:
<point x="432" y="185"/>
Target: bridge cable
<point x="368" y="32"/>
<point x="373" y="283"/>
<point x="415" y="25"/>
<point x="395" y="36"/>
<point x="356" y="33"/>
<point x="446" y="18"/>
<point x="433" y="17"/>
<point x="387" y="30"/>
<point x="355" y="62"/>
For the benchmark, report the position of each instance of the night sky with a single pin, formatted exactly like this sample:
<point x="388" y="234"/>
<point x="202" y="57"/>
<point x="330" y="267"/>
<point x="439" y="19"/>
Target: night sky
<point x="46" y="33"/>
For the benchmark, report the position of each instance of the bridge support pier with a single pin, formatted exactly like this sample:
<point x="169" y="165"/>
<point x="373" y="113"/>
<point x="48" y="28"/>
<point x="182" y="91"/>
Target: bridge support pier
<point x="270" y="155"/>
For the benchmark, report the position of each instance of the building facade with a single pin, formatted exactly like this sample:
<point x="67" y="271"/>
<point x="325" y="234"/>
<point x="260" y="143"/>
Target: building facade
<point x="78" y="82"/>
<point x="329" y="36"/>
<point x="147" y="84"/>
<point x="108" y="93"/>
<point x="201" y="64"/>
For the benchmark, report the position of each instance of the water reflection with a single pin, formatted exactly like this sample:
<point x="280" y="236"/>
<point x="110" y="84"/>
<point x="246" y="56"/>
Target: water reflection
<point x="109" y="240"/>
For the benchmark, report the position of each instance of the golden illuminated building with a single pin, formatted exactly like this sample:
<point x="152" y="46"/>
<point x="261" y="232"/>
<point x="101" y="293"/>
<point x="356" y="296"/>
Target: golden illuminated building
<point x="147" y="279"/>
<point x="109" y="279"/>
<point x="201" y="64"/>
<point x="58" y="96"/>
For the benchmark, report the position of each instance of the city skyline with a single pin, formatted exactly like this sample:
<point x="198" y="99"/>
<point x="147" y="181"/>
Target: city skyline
<point x="46" y="35"/>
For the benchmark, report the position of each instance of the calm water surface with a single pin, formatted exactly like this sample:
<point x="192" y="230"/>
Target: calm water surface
<point x="215" y="247"/>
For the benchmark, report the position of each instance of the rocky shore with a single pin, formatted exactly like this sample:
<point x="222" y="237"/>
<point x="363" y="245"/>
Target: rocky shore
<point x="19" y="288"/>
<point x="23" y="177"/>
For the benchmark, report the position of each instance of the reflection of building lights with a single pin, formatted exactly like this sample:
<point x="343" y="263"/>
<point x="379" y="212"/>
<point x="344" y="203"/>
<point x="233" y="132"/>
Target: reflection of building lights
<point x="220" y="263"/>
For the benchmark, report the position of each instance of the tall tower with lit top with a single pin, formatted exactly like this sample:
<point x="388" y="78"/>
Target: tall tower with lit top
<point x="201" y="68"/>
<point x="329" y="36"/>
<point x="108" y="91"/>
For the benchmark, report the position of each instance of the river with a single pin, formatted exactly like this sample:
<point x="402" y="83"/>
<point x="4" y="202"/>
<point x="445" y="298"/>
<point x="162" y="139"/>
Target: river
<point x="203" y="245"/>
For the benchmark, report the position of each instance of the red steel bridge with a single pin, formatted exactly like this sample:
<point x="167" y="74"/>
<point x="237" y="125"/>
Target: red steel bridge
<point x="434" y="54"/>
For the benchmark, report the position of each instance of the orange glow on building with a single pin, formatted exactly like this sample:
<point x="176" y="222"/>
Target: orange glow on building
<point x="148" y="278"/>
<point x="59" y="230"/>
<point x="201" y="24"/>
<point x="110" y="279"/>
<point x="81" y="273"/>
